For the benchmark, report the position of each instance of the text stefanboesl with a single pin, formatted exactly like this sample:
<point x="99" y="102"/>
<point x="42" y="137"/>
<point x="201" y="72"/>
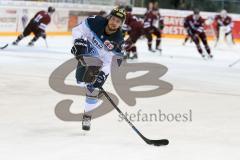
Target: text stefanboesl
<point x="159" y="116"/>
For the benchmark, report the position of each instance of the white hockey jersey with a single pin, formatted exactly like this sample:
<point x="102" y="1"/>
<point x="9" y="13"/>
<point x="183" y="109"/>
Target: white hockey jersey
<point x="106" y="48"/>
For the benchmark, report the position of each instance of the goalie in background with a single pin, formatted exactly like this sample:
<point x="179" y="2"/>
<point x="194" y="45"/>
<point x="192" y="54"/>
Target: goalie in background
<point x="223" y="20"/>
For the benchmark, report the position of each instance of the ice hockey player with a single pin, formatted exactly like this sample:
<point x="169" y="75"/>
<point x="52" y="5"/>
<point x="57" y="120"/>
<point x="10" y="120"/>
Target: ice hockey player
<point x="37" y="26"/>
<point x="135" y="29"/>
<point x="223" y="20"/>
<point x="195" y="27"/>
<point x="100" y="39"/>
<point x="151" y="20"/>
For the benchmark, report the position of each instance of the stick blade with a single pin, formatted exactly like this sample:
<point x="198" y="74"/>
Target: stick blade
<point x="3" y="47"/>
<point x="161" y="142"/>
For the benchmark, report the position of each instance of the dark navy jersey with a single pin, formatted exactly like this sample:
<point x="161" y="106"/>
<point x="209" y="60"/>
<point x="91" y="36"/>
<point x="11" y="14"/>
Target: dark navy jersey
<point x="98" y="24"/>
<point x="106" y="48"/>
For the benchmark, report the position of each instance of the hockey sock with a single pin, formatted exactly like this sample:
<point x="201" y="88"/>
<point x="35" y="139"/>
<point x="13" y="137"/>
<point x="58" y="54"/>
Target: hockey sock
<point x="158" y="41"/>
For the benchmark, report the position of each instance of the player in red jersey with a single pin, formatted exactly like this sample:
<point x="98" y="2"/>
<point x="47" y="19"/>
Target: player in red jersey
<point x="195" y="27"/>
<point x="134" y="26"/>
<point x="37" y="26"/>
<point x="223" y="20"/>
<point x="152" y="17"/>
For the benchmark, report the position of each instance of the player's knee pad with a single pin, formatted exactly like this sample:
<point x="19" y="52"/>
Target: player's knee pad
<point x="92" y="91"/>
<point x="86" y="73"/>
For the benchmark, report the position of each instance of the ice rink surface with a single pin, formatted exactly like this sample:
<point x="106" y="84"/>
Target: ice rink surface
<point x="30" y="129"/>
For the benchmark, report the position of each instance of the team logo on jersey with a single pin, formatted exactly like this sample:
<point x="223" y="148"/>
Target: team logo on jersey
<point x="96" y="43"/>
<point x="109" y="45"/>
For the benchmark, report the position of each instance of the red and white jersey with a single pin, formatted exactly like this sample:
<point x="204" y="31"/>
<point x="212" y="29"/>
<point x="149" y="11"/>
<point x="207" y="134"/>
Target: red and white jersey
<point x="223" y="21"/>
<point x="42" y="18"/>
<point x="194" y="24"/>
<point x="132" y="21"/>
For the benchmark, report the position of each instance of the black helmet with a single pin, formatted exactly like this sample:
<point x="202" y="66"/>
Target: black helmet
<point x="120" y="13"/>
<point x="196" y="11"/>
<point x="51" y="9"/>
<point x="128" y="9"/>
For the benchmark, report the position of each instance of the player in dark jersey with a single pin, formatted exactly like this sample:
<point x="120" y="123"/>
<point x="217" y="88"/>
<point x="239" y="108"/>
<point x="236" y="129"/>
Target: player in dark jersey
<point x="151" y="18"/>
<point x="223" y="20"/>
<point x="37" y="26"/>
<point x="195" y="27"/>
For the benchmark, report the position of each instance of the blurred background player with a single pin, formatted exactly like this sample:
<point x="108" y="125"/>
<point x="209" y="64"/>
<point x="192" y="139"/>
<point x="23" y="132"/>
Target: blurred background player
<point x="153" y="24"/>
<point x="135" y="29"/>
<point x="195" y="27"/>
<point x="98" y="38"/>
<point x="102" y="13"/>
<point x="37" y="26"/>
<point x="223" y="20"/>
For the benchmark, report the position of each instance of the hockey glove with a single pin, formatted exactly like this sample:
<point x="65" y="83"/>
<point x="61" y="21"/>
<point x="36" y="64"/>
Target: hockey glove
<point x="101" y="78"/>
<point x="79" y="48"/>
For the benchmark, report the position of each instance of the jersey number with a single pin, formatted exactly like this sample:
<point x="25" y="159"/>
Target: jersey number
<point x="37" y="19"/>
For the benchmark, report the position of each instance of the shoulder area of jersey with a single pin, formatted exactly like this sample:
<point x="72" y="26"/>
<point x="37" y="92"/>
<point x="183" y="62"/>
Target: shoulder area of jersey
<point x="97" y="18"/>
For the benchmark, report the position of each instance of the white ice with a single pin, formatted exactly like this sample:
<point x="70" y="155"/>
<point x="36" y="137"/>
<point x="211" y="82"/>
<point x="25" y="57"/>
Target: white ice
<point x="30" y="130"/>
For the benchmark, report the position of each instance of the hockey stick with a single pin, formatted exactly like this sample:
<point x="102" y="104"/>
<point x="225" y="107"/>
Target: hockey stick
<point x="235" y="62"/>
<point x="160" y="142"/>
<point x="3" y="47"/>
